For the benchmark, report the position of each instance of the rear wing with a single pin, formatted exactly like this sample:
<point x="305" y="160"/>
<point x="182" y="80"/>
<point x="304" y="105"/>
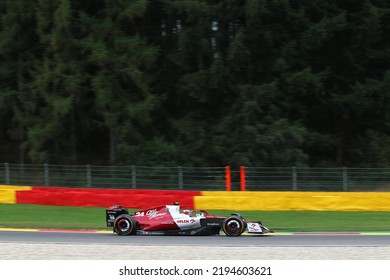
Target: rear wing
<point x="113" y="212"/>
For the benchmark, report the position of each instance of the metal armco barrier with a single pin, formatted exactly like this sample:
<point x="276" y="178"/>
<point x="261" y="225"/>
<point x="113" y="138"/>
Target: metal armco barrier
<point x="198" y="178"/>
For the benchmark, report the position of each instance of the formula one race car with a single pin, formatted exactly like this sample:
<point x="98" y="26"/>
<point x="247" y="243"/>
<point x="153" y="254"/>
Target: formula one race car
<point x="170" y="220"/>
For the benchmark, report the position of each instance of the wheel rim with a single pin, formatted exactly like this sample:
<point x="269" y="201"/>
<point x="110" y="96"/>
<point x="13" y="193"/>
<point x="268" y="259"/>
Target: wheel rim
<point x="233" y="226"/>
<point x="123" y="225"/>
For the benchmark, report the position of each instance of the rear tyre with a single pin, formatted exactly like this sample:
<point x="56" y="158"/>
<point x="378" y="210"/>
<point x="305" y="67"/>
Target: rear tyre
<point x="125" y="225"/>
<point x="233" y="226"/>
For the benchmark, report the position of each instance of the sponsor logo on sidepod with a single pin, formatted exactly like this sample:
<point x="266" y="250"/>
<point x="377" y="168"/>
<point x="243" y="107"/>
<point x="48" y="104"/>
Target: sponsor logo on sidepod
<point x="153" y="214"/>
<point x="186" y="221"/>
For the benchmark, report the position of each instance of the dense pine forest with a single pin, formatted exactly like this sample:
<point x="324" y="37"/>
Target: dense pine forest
<point x="195" y="82"/>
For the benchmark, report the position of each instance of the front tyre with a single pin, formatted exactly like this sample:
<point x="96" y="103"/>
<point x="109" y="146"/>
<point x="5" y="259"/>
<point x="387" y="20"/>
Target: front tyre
<point x="125" y="225"/>
<point x="233" y="226"/>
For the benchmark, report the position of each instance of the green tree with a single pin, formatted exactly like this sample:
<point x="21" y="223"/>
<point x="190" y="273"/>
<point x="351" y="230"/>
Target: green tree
<point x="17" y="47"/>
<point x="58" y="85"/>
<point x="202" y="82"/>
<point x="118" y="58"/>
<point x="349" y="42"/>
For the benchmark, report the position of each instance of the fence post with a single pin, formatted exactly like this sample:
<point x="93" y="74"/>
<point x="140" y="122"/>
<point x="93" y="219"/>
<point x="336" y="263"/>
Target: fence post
<point x="242" y="179"/>
<point x="7" y="175"/>
<point x="180" y="176"/>
<point x="46" y="174"/>
<point x="133" y="177"/>
<point x="345" y="179"/>
<point x="228" y="178"/>
<point x="89" y="176"/>
<point x="294" y="178"/>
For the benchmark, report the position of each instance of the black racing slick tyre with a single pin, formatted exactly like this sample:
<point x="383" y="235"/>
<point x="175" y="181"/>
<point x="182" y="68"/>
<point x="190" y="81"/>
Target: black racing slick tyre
<point x="233" y="226"/>
<point x="125" y="225"/>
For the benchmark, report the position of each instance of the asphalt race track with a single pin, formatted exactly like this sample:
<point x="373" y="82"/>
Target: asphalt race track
<point x="271" y="240"/>
<point x="106" y="245"/>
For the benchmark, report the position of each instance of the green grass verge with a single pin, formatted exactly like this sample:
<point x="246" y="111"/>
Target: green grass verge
<point x="61" y="217"/>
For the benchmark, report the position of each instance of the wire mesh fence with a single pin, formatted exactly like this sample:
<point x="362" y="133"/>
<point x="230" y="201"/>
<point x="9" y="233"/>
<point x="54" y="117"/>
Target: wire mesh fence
<point x="317" y="179"/>
<point x="118" y="177"/>
<point x="197" y="178"/>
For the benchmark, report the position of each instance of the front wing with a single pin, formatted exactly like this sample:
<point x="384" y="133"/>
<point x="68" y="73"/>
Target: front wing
<point x="257" y="228"/>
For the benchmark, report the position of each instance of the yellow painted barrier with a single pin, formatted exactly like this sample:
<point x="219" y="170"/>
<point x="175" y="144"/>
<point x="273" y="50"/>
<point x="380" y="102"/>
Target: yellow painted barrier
<point x="325" y="201"/>
<point x="16" y="188"/>
<point x="7" y="196"/>
<point x="8" y="193"/>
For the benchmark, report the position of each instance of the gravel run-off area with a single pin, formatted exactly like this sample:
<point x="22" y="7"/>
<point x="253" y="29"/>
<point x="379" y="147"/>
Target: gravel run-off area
<point x="69" y="251"/>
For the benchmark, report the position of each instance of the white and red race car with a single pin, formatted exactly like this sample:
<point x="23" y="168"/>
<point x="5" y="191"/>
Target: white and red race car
<point x="170" y="220"/>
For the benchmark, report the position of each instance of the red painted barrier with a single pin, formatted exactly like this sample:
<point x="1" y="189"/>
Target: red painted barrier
<point x="104" y="197"/>
<point x="228" y="178"/>
<point x="242" y="179"/>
